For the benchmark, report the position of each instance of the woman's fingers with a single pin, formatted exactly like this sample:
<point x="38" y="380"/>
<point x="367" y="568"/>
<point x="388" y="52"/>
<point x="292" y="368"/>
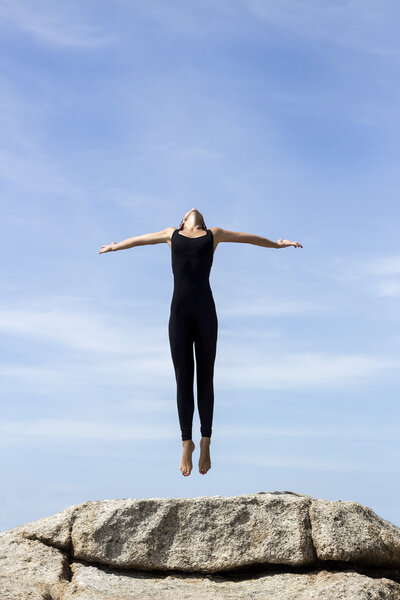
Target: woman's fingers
<point x="106" y="248"/>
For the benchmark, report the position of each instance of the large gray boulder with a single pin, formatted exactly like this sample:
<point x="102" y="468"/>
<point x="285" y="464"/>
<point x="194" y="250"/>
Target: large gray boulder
<point x="272" y="544"/>
<point x="31" y="570"/>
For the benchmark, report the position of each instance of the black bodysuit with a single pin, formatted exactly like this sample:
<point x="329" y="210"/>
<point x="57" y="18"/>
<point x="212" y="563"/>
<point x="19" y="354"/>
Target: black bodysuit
<point x="193" y="319"/>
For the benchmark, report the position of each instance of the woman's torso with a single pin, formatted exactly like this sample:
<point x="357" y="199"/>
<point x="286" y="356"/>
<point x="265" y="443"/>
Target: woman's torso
<point x="192" y="260"/>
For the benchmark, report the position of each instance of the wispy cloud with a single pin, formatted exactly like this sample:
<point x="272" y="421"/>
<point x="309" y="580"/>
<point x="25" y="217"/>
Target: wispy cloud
<point x="88" y="331"/>
<point x="119" y="355"/>
<point x="388" y="288"/>
<point x="386" y="273"/>
<point x="72" y="429"/>
<point x="270" y="307"/>
<point x="185" y="19"/>
<point x="36" y="172"/>
<point x="307" y="463"/>
<point x="322" y="104"/>
<point x="360" y="24"/>
<point x="376" y="274"/>
<point x="352" y="432"/>
<point x="384" y="265"/>
<point x="244" y="332"/>
<point x="299" y="370"/>
<point x="24" y="163"/>
<point x="371" y="274"/>
<point x="54" y="429"/>
<point x="81" y="378"/>
<point x="242" y="370"/>
<point x="76" y="352"/>
<point x="51" y="24"/>
<point x="197" y="153"/>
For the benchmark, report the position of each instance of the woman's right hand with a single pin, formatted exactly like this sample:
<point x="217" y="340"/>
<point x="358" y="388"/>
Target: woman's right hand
<point x="107" y="248"/>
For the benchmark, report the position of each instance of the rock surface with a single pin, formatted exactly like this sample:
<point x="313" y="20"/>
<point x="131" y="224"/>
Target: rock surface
<point x="272" y="544"/>
<point x="30" y="570"/>
<point x="91" y="583"/>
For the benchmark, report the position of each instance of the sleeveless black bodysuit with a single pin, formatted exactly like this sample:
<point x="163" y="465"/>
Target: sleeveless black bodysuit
<point x="193" y="320"/>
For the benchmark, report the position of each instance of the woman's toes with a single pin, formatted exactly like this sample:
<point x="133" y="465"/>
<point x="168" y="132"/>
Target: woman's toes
<point x="186" y="462"/>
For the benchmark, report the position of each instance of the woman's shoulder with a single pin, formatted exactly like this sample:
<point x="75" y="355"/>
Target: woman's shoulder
<point x="215" y="231"/>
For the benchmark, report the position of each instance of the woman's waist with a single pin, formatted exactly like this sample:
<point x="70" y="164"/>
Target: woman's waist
<point x="192" y="306"/>
<point x="199" y="286"/>
<point x="193" y="294"/>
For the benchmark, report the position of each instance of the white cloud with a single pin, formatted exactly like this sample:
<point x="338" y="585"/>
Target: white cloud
<point x="111" y="352"/>
<point x="38" y="173"/>
<point x="307" y="463"/>
<point x="76" y="352"/>
<point x="298" y="370"/>
<point x="23" y="162"/>
<point x="360" y="24"/>
<point x="49" y="23"/>
<point x="381" y="265"/>
<point x="48" y="429"/>
<point x="379" y="274"/>
<point x="373" y="435"/>
<point x="270" y="307"/>
<point x="89" y="331"/>
<point x="374" y="274"/>
<point x="197" y="153"/>
<point x="189" y="19"/>
<point x="80" y="377"/>
<point x="244" y="332"/>
<point x="389" y="288"/>
<point x="73" y="429"/>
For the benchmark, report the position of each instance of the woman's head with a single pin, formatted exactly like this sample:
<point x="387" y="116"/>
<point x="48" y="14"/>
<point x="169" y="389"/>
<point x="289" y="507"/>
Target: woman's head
<point x="192" y="219"/>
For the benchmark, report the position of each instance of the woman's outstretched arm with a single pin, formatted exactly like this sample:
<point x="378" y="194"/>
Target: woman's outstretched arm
<point x="224" y="235"/>
<point x="140" y="240"/>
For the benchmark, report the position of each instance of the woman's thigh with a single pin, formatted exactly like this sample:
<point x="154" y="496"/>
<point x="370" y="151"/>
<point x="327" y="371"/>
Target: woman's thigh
<point x="181" y="337"/>
<point x="205" y="338"/>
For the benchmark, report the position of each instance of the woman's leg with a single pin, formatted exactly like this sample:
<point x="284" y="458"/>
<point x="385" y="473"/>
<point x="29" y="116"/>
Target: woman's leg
<point x="181" y="344"/>
<point x="206" y="332"/>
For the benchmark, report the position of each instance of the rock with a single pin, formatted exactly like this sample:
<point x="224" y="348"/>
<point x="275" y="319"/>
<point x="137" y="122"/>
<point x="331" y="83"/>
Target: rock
<point x="93" y="583"/>
<point x="272" y="544"/>
<point x="205" y="534"/>
<point x="350" y="531"/>
<point x="54" y="530"/>
<point x="30" y="570"/>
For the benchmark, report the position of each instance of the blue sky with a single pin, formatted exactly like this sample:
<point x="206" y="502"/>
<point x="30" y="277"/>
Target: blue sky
<point x="278" y="118"/>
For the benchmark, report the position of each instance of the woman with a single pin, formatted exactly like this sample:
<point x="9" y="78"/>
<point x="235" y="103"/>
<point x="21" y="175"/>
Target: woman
<point x="193" y="318"/>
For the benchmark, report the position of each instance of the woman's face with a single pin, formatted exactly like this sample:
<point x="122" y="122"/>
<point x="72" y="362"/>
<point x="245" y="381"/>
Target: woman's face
<point x="199" y="216"/>
<point x="188" y="213"/>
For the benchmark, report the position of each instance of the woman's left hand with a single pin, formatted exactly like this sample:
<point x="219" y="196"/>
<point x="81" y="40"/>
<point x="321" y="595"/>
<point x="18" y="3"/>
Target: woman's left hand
<point x="285" y="243"/>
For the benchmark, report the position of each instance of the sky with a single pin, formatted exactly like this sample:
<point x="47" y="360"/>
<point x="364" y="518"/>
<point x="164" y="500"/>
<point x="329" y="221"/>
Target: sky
<point x="273" y="117"/>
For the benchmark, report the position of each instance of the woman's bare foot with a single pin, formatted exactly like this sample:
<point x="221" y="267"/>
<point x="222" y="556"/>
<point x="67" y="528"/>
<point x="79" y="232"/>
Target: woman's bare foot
<point x="186" y="462"/>
<point x="204" y="460"/>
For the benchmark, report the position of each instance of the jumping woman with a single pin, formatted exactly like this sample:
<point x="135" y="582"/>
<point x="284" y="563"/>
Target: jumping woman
<point x="193" y="318"/>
